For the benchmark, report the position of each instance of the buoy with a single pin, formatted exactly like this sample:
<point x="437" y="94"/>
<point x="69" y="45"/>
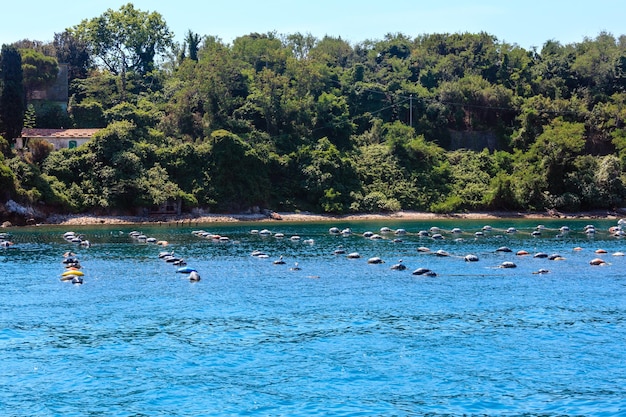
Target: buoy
<point x="68" y="277"/>
<point x="399" y="266"/>
<point x="375" y="260"/>
<point x="508" y="265"/>
<point x="424" y="271"/>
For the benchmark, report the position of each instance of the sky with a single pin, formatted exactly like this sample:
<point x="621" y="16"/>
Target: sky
<point x="527" y="23"/>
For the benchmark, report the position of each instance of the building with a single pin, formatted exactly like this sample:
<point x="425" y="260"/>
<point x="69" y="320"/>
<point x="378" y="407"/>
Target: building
<point x="57" y="93"/>
<point x="60" y="138"/>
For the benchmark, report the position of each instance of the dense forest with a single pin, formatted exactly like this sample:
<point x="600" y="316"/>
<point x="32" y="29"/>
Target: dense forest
<point x="288" y="122"/>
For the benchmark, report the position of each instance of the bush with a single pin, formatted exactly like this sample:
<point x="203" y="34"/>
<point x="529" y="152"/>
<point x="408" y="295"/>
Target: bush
<point x="39" y="149"/>
<point x="51" y="116"/>
<point x="376" y="202"/>
<point x="88" y="114"/>
<point x="449" y="205"/>
<point x="5" y="148"/>
<point x="565" y="201"/>
<point x="7" y="183"/>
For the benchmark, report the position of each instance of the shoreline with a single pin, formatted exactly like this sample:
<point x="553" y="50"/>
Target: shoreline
<point x="86" y="219"/>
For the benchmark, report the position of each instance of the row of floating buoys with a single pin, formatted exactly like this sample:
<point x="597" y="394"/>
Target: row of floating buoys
<point x="79" y="239"/>
<point x="280" y="235"/>
<point x="210" y="236"/>
<point x="169" y="257"/>
<point x="280" y="261"/>
<point x="72" y="267"/>
<point x="473" y="258"/>
<point x="140" y="237"/>
<point x="71" y="263"/>
<point x="437" y="233"/>
<point x="5" y="241"/>
<point x="375" y="260"/>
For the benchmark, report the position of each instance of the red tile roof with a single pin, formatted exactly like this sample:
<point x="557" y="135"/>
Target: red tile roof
<point x="58" y="133"/>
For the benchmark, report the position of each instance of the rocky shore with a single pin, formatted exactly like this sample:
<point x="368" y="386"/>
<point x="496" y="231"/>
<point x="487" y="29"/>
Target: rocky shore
<point x="12" y="214"/>
<point x="306" y="217"/>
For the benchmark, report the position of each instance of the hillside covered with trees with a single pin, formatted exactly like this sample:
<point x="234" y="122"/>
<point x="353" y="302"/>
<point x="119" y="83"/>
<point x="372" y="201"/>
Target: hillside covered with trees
<point x="439" y="122"/>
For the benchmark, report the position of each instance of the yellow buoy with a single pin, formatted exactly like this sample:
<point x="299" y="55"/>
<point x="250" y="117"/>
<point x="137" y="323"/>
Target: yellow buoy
<point x="67" y="273"/>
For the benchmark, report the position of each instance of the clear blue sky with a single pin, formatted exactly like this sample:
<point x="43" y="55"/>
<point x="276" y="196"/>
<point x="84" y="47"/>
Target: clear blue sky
<point x="526" y="23"/>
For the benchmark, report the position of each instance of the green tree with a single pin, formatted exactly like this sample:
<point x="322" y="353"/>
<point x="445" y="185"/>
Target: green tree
<point x="7" y="180"/>
<point x="193" y="44"/>
<point x="333" y="51"/>
<point x="328" y="177"/>
<point x="72" y="51"/>
<point x="471" y="176"/>
<point x="552" y="75"/>
<point x="301" y="44"/>
<point x="238" y="173"/>
<point x="595" y="67"/>
<point x="12" y="100"/>
<point x="30" y="117"/>
<point x="610" y="182"/>
<point x="261" y="51"/>
<point x="126" y="40"/>
<point x="333" y="120"/>
<point x="39" y="71"/>
<point x="476" y="104"/>
<point x="545" y="175"/>
<point x="157" y="187"/>
<point x="203" y="96"/>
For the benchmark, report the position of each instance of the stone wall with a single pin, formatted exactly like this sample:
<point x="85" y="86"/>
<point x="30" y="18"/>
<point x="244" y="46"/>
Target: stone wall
<point x="58" y="92"/>
<point x="474" y="140"/>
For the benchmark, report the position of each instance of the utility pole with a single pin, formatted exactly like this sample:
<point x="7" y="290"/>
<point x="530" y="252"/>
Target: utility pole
<point x="411" y="110"/>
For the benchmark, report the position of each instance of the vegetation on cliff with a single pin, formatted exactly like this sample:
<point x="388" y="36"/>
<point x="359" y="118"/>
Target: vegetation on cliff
<point x="439" y="122"/>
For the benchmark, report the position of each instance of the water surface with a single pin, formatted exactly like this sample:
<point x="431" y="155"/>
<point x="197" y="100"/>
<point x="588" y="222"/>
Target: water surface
<point x="338" y="337"/>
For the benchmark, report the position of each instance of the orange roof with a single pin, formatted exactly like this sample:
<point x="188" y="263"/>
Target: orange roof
<point x="58" y="133"/>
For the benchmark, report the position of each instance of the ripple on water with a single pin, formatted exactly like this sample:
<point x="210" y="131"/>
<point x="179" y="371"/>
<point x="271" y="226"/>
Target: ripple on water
<point x="339" y="337"/>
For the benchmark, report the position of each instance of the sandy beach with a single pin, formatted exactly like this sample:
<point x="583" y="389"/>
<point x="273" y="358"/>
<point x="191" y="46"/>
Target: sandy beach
<point x="306" y="217"/>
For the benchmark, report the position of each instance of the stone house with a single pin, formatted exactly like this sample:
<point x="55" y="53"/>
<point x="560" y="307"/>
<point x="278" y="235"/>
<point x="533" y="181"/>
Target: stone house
<point x="60" y="138"/>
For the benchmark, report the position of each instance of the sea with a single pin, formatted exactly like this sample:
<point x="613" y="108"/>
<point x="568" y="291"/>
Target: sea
<point x="322" y="334"/>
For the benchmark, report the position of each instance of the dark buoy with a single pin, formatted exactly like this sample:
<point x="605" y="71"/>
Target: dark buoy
<point x="399" y="266"/>
<point x="471" y="258"/>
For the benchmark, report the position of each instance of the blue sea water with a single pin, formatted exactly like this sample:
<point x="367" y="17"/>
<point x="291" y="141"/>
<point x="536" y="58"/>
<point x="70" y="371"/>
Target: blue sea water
<point x="338" y="337"/>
